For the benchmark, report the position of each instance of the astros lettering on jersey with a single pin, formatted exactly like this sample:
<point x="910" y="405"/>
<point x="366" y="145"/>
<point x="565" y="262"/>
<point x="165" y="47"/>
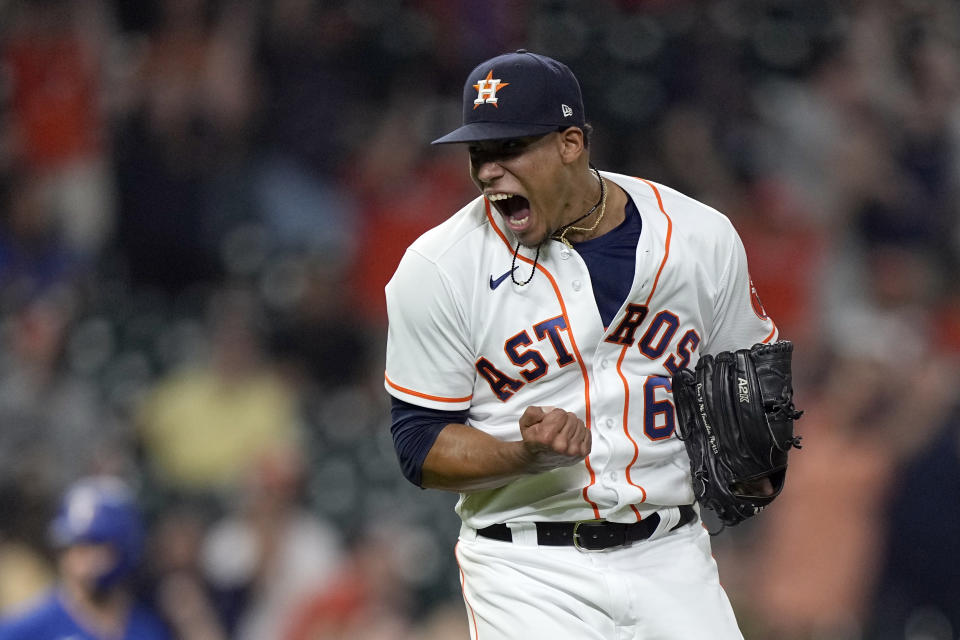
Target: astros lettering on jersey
<point x="497" y="348"/>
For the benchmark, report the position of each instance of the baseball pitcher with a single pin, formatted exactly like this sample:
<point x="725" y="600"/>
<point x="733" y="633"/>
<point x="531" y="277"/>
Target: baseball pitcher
<point x="537" y="341"/>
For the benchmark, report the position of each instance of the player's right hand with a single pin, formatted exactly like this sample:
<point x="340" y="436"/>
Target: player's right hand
<point x="553" y="438"/>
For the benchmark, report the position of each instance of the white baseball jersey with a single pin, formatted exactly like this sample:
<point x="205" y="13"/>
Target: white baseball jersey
<point x="463" y="335"/>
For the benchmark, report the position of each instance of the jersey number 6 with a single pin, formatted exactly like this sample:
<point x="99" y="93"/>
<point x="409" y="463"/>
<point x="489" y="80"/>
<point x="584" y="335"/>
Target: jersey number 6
<point x="659" y="416"/>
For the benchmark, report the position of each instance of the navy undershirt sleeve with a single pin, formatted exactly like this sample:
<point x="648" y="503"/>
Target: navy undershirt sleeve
<point x="611" y="260"/>
<point x="414" y="430"/>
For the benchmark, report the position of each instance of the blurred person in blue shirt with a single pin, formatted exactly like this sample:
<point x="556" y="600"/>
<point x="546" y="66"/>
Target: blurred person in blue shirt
<point x="98" y="534"/>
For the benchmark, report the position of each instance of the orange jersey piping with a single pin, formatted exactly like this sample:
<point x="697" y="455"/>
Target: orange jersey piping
<point x="626" y="428"/>
<point x="623" y="353"/>
<point x="773" y="331"/>
<point x="666" y="252"/>
<point x="423" y="395"/>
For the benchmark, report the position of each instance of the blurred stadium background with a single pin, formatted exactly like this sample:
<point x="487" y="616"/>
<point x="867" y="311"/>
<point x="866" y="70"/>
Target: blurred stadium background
<point x="201" y="201"/>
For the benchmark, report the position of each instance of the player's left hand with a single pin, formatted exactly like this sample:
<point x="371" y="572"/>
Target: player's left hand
<point x="553" y="438"/>
<point x="736" y="416"/>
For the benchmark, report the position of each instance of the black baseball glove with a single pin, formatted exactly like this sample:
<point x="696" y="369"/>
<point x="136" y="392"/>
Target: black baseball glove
<point x="736" y="418"/>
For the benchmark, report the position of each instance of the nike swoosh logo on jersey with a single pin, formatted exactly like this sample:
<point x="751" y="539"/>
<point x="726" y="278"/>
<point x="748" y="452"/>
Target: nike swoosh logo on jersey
<point x="496" y="283"/>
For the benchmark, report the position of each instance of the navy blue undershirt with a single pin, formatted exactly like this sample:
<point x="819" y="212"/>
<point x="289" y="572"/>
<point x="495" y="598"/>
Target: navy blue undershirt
<point x="610" y="259"/>
<point x="414" y="430"/>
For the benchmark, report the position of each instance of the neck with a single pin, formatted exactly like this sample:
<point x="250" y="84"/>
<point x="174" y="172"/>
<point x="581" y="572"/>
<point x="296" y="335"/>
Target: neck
<point x="587" y="224"/>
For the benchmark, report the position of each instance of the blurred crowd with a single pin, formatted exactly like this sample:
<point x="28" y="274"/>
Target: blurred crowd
<point x="201" y="201"/>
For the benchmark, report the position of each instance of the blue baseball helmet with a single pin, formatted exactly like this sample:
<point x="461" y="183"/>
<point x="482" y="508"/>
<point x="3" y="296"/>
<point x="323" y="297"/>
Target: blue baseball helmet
<point x="101" y="510"/>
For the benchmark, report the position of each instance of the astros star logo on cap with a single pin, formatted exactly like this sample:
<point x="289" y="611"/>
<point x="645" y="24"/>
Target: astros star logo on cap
<point x="541" y="95"/>
<point x="487" y="90"/>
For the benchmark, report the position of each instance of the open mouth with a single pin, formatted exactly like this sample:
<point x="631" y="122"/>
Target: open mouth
<point x="514" y="208"/>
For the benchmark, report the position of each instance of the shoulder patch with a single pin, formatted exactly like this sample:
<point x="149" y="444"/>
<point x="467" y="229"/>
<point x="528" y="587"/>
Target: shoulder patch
<point x="756" y="303"/>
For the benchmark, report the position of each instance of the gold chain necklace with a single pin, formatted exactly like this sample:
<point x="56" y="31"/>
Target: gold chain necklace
<point x="561" y="235"/>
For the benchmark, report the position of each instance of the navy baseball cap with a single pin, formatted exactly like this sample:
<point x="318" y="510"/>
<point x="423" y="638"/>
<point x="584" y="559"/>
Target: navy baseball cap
<point x="516" y="95"/>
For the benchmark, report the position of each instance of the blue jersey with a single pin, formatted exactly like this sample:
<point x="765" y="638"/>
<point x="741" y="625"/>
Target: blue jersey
<point x="50" y="620"/>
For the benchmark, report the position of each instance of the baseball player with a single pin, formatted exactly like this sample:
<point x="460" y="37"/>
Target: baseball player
<point x="98" y="534"/>
<point x="532" y="339"/>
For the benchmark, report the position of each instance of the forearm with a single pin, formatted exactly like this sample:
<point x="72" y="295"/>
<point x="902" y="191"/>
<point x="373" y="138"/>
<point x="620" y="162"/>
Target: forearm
<point x="466" y="459"/>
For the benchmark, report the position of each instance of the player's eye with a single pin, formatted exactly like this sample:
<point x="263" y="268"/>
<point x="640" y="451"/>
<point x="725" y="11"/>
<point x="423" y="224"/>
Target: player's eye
<point x="517" y="146"/>
<point x="479" y="156"/>
<point x="498" y="151"/>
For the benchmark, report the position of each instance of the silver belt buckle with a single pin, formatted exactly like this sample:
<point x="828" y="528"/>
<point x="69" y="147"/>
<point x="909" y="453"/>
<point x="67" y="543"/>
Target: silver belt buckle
<point x="576" y="536"/>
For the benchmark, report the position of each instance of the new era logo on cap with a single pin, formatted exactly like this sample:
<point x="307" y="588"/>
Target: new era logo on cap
<point x="516" y="95"/>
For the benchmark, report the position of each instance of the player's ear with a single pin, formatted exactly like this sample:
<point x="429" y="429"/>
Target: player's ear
<point x="571" y="144"/>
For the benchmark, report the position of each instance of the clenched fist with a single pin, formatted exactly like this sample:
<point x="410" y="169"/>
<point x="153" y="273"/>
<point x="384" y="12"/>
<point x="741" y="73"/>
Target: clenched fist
<point x="553" y="438"/>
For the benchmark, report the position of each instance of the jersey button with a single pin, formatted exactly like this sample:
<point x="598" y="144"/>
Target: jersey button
<point x="612" y="476"/>
<point x="565" y="254"/>
<point x="609" y="423"/>
<point x="576" y="285"/>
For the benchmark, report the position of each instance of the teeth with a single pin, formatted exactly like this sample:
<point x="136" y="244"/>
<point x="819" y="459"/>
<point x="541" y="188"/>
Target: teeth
<point x="499" y="196"/>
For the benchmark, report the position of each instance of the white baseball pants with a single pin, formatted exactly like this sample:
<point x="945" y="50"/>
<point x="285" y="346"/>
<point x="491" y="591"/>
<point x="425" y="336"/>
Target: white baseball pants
<point x="665" y="588"/>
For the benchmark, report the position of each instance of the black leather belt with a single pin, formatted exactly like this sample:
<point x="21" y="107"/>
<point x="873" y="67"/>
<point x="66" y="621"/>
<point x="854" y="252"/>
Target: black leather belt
<point x="591" y="535"/>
